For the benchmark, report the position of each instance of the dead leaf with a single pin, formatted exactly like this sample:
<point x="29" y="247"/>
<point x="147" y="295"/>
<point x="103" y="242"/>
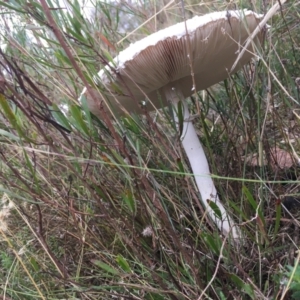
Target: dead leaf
<point x="279" y="159"/>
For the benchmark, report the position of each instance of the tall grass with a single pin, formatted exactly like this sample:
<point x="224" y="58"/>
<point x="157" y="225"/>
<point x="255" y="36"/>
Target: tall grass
<point x="96" y="209"/>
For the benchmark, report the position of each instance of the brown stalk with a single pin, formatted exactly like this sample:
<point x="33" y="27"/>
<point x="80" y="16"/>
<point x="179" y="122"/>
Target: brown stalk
<point x="90" y="90"/>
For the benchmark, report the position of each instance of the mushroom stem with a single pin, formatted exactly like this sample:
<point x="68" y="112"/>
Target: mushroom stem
<point x="200" y="168"/>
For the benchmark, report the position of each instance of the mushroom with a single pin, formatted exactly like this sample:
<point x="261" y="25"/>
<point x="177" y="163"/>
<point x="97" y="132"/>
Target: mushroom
<point x="169" y="66"/>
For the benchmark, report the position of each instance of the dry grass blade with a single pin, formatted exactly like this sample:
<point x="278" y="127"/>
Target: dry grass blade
<point x="273" y="10"/>
<point x="96" y="209"/>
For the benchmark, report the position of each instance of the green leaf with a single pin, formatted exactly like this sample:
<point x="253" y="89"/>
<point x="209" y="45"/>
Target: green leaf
<point x="180" y="117"/>
<point x="238" y="211"/>
<point x="242" y="285"/>
<point x="237" y="281"/>
<point x="62" y="57"/>
<point x="295" y="273"/>
<point x="131" y="125"/>
<point x="8" y="111"/>
<point x="86" y="111"/>
<point x="296" y="295"/>
<point x="210" y="240"/>
<point x="129" y="200"/>
<point x="34" y="264"/>
<point x="122" y="165"/>
<point x="105" y="267"/>
<point x="4" y="4"/>
<point x="78" y="117"/>
<point x="216" y="209"/>
<point x="180" y="165"/>
<point x="278" y="217"/>
<point x="123" y="263"/>
<point x="9" y="135"/>
<point x="11" y="116"/>
<point x="253" y="203"/>
<point x="30" y="167"/>
<point x="249" y="290"/>
<point x="60" y="117"/>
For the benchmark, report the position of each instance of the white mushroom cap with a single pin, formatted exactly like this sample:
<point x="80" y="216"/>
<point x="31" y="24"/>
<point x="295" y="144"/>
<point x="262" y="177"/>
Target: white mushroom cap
<point x="162" y="59"/>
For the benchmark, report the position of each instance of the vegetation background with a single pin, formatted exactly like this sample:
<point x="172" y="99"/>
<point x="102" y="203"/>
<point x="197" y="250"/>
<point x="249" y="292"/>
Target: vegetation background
<point x="91" y="210"/>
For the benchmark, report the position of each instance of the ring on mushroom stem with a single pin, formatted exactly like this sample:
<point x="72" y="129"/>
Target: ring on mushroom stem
<point x="172" y="64"/>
